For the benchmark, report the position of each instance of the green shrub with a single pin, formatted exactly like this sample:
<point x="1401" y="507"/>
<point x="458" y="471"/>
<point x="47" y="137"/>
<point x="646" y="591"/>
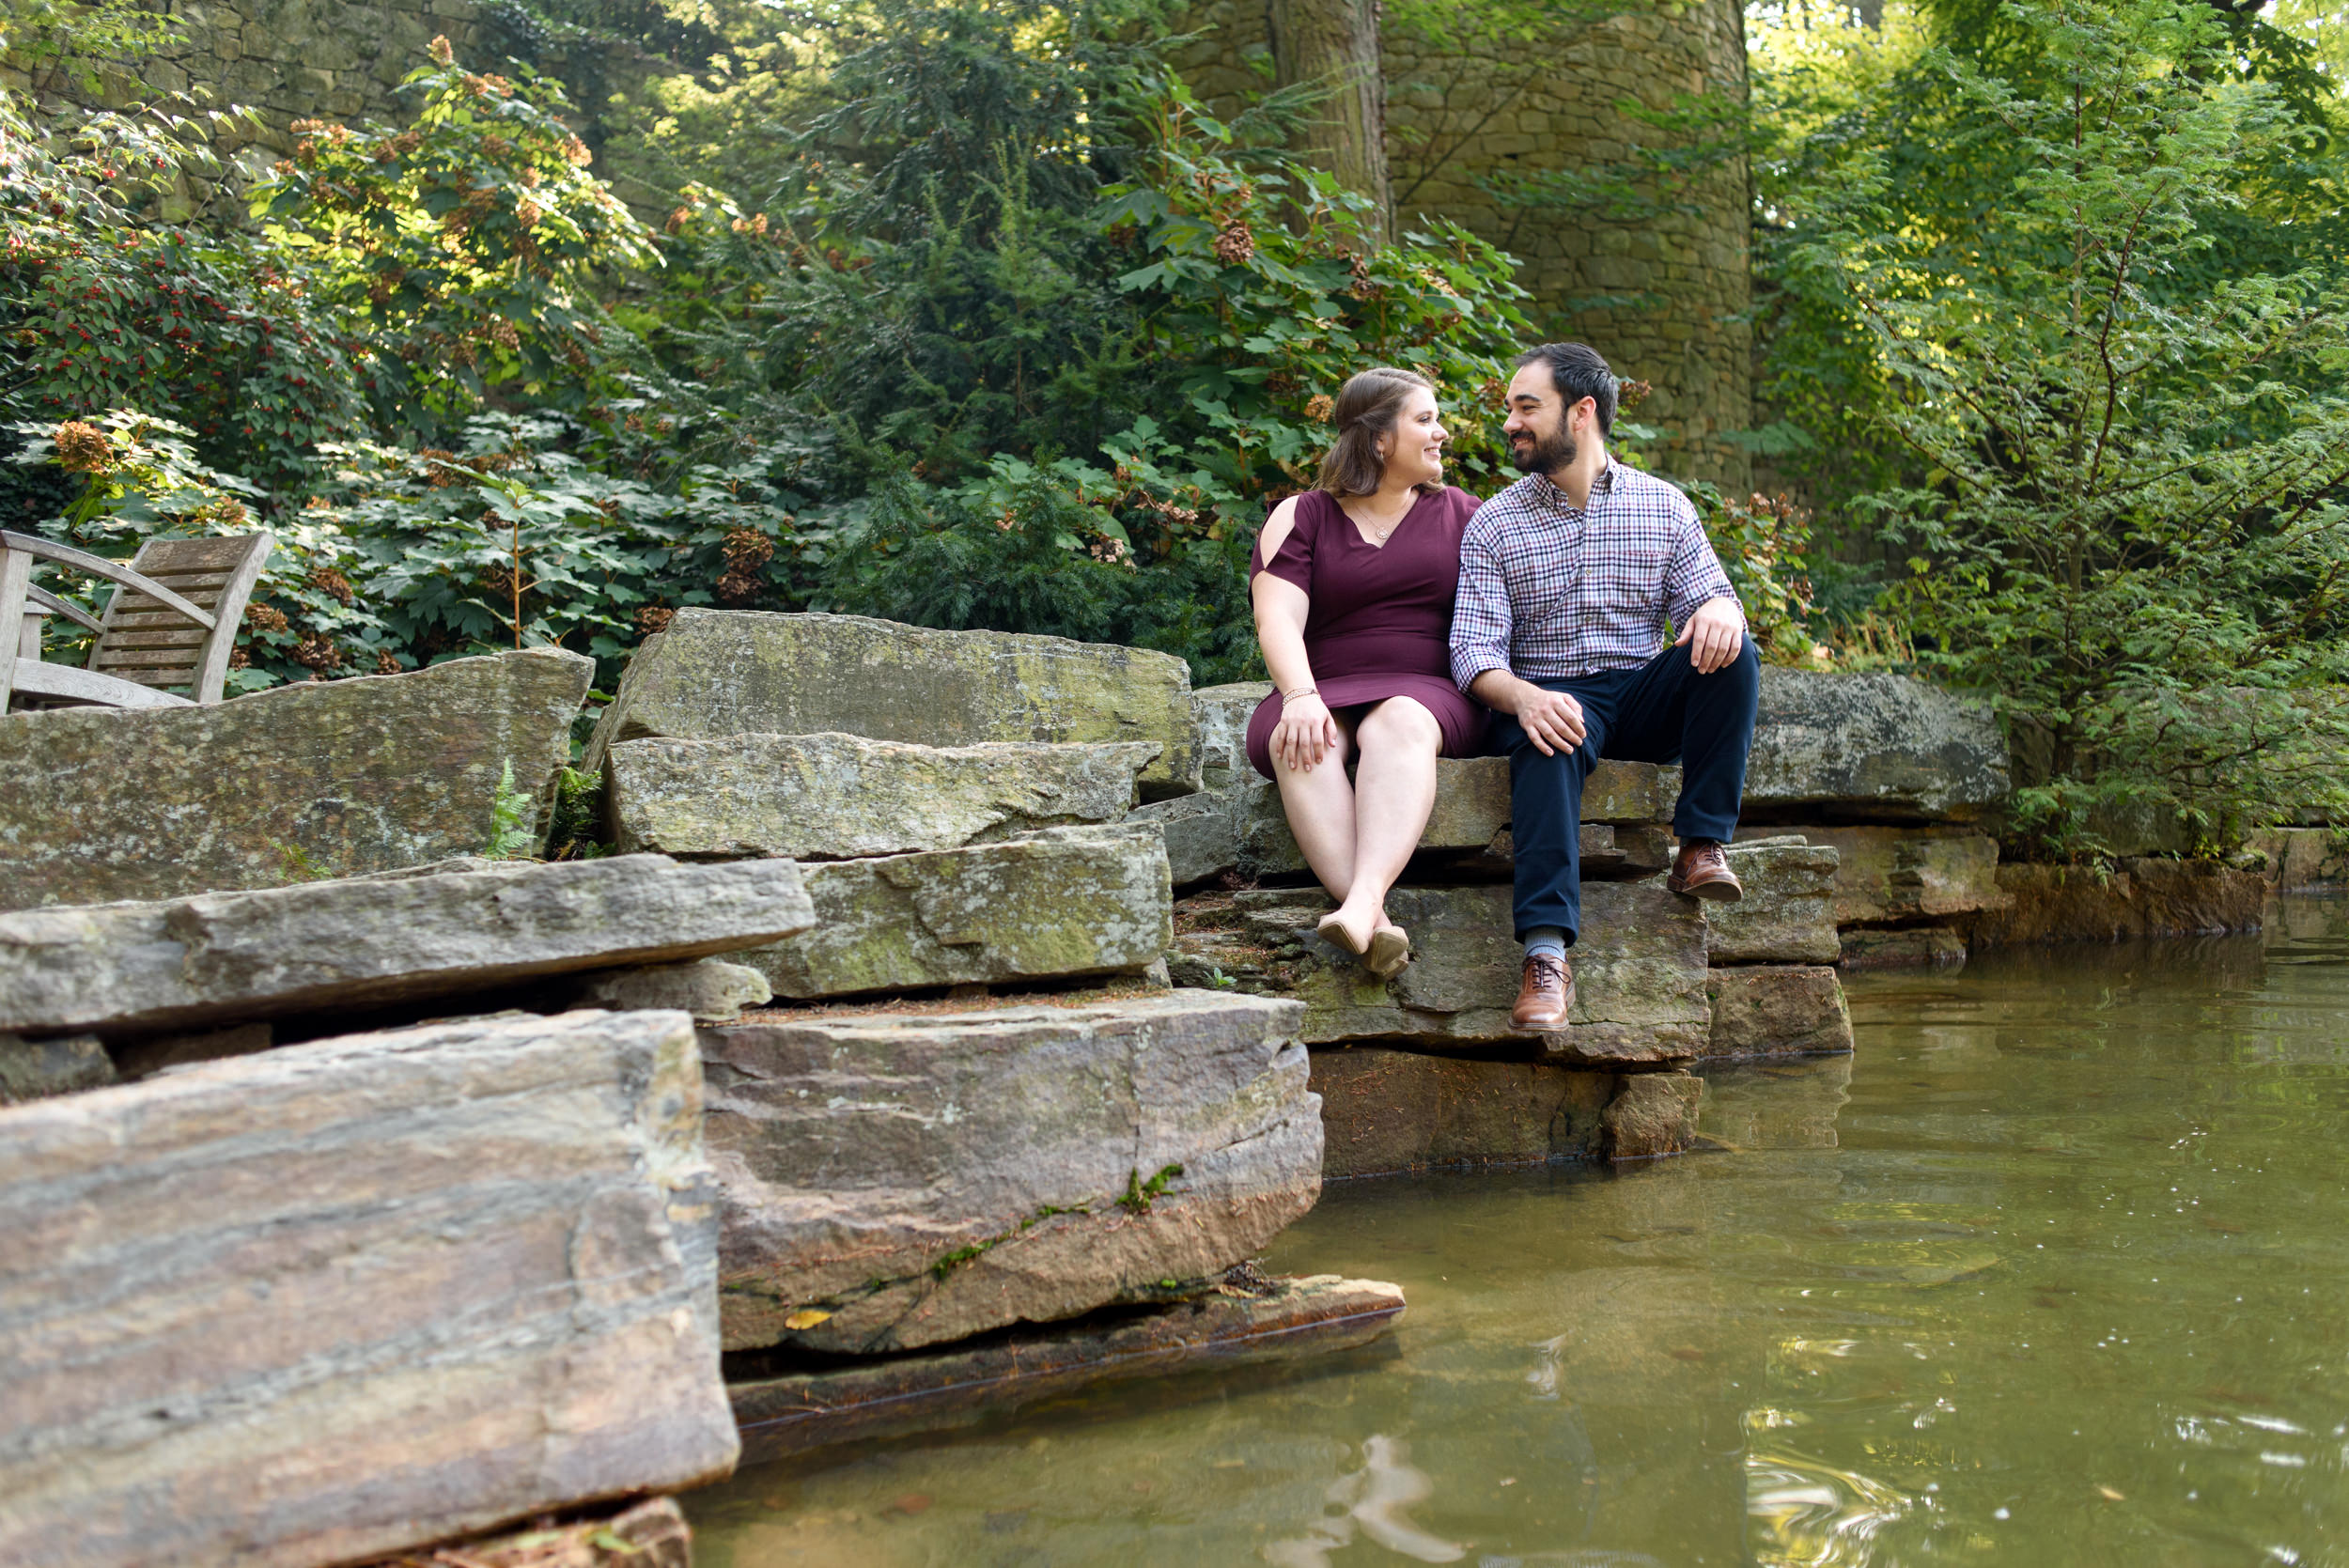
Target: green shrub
<point x="2126" y="521"/>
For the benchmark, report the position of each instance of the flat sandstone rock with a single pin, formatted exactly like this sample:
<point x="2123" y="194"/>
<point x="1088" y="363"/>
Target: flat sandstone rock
<point x="1902" y="947"/>
<point x="1639" y="968"/>
<point x="1385" y="1111"/>
<point x="342" y="778"/>
<point x="1787" y="915"/>
<point x="1471" y="809"/>
<point x="2140" y="898"/>
<point x="358" y="1296"/>
<point x="1889" y="873"/>
<point x="893" y="1181"/>
<point x="1225" y="1325"/>
<point x="38" y="1069"/>
<point x="1762" y="1010"/>
<point x="1067" y="902"/>
<point x="1223" y="713"/>
<point x="835" y="797"/>
<point x="143" y="968"/>
<point x="1871" y="748"/>
<point x="1652" y="1115"/>
<point x="717" y="673"/>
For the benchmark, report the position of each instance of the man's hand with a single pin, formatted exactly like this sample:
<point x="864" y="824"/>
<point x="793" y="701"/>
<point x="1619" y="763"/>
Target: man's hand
<point x="1713" y="636"/>
<point x="1551" y="719"/>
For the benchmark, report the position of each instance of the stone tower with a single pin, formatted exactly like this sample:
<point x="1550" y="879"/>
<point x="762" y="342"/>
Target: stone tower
<point x="1662" y="292"/>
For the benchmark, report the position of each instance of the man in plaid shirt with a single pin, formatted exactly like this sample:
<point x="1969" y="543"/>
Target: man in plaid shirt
<point x="1569" y="581"/>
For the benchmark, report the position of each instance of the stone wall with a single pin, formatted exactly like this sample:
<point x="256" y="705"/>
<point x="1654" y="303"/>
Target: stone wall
<point x="1675" y="286"/>
<point x="330" y="59"/>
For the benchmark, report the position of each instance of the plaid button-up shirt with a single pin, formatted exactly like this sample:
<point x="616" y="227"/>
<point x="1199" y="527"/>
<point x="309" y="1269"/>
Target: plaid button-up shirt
<point x="1549" y="590"/>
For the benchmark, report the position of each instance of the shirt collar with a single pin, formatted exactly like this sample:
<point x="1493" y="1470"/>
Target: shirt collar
<point x="1604" y="484"/>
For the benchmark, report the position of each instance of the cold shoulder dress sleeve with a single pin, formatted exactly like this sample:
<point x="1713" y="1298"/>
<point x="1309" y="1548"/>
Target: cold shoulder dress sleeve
<point x="1379" y="619"/>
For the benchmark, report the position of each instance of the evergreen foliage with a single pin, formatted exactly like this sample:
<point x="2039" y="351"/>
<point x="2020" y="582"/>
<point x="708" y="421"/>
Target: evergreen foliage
<point x="2113" y="385"/>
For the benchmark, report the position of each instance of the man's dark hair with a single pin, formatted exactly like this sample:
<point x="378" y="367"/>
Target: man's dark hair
<point x="1577" y="372"/>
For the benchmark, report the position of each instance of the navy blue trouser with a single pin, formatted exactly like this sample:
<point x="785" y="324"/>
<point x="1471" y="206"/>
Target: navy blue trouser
<point x="1660" y="711"/>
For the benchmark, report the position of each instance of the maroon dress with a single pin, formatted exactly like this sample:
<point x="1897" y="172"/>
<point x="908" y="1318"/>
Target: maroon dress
<point x="1380" y="621"/>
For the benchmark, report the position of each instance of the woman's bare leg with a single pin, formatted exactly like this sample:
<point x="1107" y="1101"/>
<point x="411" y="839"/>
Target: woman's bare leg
<point x="1320" y="808"/>
<point x="1395" y="789"/>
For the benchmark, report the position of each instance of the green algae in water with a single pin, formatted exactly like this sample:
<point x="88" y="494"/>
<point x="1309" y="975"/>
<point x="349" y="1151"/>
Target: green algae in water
<point x="2055" y="1271"/>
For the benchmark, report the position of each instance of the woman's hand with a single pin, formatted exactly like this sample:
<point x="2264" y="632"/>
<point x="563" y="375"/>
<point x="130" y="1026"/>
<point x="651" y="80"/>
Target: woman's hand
<point x="1305" y="734"/>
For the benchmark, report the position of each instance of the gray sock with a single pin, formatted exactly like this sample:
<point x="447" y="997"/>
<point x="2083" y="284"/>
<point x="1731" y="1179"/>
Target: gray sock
<point x="1547" y="941"/>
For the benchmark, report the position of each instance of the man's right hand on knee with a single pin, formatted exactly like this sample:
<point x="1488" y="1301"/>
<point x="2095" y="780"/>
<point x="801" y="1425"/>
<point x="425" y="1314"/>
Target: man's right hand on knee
<point x="1551" y="719"/>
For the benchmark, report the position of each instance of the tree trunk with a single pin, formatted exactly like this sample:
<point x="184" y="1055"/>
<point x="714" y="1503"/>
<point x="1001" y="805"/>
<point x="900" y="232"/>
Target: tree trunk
<point x="1334" y="45"/>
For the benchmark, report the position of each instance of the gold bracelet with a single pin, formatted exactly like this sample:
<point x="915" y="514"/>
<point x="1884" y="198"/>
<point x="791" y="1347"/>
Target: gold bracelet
<point x="1288" y="697"/>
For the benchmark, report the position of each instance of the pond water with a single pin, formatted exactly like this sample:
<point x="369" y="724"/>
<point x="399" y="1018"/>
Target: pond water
<point x="2055" y="1271"/>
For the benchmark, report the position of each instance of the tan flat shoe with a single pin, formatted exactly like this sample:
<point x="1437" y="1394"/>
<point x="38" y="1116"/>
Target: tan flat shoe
<point x="1390" y="950"/>
<point x="1333" y="930"/>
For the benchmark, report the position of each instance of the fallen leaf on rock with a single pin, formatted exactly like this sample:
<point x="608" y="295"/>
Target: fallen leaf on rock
<point x="806" y="1317"/>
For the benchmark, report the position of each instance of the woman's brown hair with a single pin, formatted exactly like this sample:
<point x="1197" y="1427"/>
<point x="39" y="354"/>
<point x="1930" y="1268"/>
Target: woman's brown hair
<point x="1366" y="408"/>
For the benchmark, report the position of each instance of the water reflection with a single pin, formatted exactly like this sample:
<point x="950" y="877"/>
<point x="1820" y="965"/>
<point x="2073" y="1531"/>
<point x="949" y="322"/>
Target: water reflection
<point x="2055" y="1271"/>
<point x="1372" y="1498"/>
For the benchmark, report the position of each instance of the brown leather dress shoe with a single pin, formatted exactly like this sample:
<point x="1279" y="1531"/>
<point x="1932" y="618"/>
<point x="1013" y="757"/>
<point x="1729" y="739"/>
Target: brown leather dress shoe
<point x="1544" y="995"/>
<point x="1701" y="871"/>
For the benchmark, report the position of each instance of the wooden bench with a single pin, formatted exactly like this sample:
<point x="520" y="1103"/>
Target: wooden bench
<point x="172" y="621"/>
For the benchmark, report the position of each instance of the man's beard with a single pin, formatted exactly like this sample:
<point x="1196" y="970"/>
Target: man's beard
<point x="1545" y="456"/>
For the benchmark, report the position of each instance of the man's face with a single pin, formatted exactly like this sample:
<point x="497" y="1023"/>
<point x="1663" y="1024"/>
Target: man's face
<point x="1540" y="428"/>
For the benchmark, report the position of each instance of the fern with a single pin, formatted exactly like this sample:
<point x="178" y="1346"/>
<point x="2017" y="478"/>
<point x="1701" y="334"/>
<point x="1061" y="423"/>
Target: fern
<point x="513" y="820"/>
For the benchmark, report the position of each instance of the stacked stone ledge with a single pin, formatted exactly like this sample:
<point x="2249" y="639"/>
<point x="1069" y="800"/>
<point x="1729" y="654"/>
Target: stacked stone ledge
<point x="1185" y="1134"/>
<point x="977" y="1105"/>
<point x="1905" y="782"/>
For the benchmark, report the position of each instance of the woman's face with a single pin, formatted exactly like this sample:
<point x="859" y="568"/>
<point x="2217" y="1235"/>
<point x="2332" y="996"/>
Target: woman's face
<point x="1413" y="450"/>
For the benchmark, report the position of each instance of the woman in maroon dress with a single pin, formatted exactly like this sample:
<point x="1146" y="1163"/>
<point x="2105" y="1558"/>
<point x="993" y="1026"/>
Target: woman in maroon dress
<point x="1352" y="584"/>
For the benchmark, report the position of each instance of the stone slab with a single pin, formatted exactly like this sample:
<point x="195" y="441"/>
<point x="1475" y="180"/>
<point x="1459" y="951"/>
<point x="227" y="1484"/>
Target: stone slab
<point x="1886" y="874"/>
<point x="2302" y="860"/>
<point x="837" y="797"/>
<point x="143" y="968"/>
<point x="782" y="1415"/>
<point x="2139" y="898"/>
<point x="1067" y="902"/>
<point x="1923" y="946"/>
<point x="648" y="1535"/>
<point x="711" y="989"/>
<point x="1201" y="832"/>
<point x="1778" y="1010"/>
<point x="1242" y="831"/>
<point x="1639" y="968"/>
<point x="1787" y="915"/>
<point x="358" y="1296"/>
<point x="339" y="778"/>
<point x="1862" y="748"/>
<point x="37" y="1069"/>
<point x="1223" y="713"/>
<point x="718" y="673"/>
<point x="894" y="1181"/>
<point x="1471" y="811"/>
<point x="1385" y="1111"/>
<point x="1653" y="1115"/>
